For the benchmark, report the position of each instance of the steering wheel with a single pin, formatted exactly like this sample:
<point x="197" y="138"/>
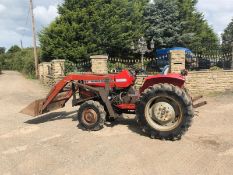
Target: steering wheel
<point x="141" y="72"/>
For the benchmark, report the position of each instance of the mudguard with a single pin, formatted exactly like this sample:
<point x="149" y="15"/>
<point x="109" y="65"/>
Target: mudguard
<point x="173" y="78"/>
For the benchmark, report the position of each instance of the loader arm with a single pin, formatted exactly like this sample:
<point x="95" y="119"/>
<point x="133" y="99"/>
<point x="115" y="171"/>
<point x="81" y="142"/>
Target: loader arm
<point x="61" y="93"/>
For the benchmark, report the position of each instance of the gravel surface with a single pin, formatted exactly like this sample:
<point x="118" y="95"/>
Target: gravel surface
<point x="53" y="144"/>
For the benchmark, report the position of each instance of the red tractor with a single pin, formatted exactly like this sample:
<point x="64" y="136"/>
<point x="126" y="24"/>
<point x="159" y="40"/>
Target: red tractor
<point x="163" y="107"/>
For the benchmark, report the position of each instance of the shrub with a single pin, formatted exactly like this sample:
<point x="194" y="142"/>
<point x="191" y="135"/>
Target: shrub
<point x="215" y="68"/>
<point x="20" y="60"/>
<point x="70" y="67"/>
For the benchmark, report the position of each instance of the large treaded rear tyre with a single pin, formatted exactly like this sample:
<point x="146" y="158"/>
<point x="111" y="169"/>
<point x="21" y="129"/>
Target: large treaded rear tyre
<point x="164" y="111"/>
<point x="91" y="116"/>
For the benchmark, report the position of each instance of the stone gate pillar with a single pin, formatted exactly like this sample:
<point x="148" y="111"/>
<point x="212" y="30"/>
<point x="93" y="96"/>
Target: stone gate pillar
<point x="57" y="71"/>
<point x="58" y="68"/>
<point x="177" y="61"/>
<point x="46" y="67"/>
<point x="99" y="64"/>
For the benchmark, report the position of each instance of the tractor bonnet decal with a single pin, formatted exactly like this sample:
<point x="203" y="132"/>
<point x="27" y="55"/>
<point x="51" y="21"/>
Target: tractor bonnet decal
<point x="121" y="80"/>
<point x="95" y="81"/>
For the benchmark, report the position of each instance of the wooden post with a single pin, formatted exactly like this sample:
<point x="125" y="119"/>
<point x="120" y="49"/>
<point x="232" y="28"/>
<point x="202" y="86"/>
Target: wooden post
<point x="34" y="39"/>
<point x="232" y="55"/>
<point x="142" y="61"/>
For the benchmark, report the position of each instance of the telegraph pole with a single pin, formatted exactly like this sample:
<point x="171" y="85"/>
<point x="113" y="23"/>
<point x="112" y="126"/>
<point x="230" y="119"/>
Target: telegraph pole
<point x="21" y="44"/>
<point x="232" y="55"/>
<point x="34" y="39"/>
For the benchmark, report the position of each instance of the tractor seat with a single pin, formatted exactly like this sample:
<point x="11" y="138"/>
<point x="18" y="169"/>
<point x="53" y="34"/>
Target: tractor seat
<point x="165" y="70"/>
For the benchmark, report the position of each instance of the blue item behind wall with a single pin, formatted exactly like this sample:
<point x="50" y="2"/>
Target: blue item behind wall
<point x="162" y="56"/>
<point x="164" y="52"/>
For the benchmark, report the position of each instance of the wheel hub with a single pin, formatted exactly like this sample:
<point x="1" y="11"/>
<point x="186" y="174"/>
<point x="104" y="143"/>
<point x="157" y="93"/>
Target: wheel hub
<point x="89" y="116"/>
<point x="163" y="112"/>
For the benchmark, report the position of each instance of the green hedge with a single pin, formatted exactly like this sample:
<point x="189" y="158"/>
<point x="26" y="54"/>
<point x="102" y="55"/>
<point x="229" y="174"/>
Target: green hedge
<point x="21" y="61"/>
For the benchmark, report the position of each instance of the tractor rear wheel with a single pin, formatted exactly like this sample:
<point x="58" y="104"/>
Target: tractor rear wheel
<point x="164" y="111"/>
<point x="91" y="116"/>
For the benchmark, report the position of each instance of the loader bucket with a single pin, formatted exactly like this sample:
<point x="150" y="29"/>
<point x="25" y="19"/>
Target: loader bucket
<point x="33" y="109"/>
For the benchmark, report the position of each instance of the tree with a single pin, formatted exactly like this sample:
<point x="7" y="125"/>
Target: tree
<point x="93" y="27"/>
<point x="163" y="24"/>
<point x="109" y="27"/>
<point x="2" y="50"/>
<point x="196" y="32"/>
<point x="178" y="23"/>
<point x="14" y="49"/>
<point x="227" y="37"/>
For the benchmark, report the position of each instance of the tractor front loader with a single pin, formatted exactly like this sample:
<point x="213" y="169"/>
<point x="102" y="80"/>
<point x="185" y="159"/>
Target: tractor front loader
<point x="163" y="107"/>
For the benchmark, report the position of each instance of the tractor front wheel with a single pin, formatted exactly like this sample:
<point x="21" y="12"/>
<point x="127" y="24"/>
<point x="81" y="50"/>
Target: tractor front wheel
<point x="164" y="111"/>
<point x="91" y="116"/>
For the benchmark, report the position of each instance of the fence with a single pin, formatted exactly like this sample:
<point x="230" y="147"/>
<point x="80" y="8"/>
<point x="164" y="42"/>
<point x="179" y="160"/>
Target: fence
<point x="80" y="66"/>
<point x="213" y="61"/>
<point x="194" y="62"/>
<point x="151" y="65"/>
<point x="197" y="62"/>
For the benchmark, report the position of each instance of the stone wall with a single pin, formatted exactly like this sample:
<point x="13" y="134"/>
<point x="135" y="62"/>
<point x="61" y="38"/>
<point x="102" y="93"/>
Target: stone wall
<point x="198" y="82"/>
<point x="203" y="82"/>
<point x="207" y="82"/>
<point x="51" y="72"/>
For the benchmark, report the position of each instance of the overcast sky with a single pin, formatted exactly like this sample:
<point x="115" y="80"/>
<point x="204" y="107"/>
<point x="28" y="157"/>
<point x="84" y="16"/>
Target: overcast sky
<point x="15" y="25"/>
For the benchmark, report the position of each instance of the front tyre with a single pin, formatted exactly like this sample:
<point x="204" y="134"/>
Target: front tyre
<point x="91" y="116"/>
<point x="164" y="111"/>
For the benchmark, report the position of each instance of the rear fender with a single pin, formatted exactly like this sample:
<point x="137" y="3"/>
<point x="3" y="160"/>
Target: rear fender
<point x="175" y="79"/>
